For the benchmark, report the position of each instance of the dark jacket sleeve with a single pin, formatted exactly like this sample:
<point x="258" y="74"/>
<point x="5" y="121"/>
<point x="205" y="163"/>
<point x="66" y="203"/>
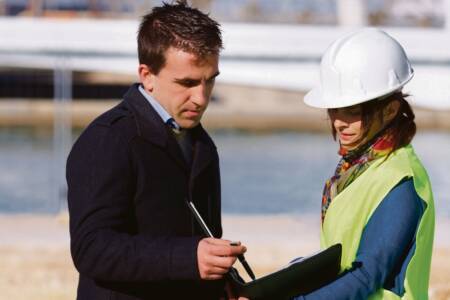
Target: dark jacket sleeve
<point x="386" y="243"/>
<point x="101" y="187"/>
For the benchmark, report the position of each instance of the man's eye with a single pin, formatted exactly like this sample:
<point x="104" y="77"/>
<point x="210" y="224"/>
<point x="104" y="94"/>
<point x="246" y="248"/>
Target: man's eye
<point x="211" y="81"/>
<point x="188" y="83"/>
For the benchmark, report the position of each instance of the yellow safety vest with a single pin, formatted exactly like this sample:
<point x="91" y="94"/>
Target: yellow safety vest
<point x="351" y="209"/>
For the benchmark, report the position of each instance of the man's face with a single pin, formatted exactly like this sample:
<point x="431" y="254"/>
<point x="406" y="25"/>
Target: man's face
<point x="183" y="86"/>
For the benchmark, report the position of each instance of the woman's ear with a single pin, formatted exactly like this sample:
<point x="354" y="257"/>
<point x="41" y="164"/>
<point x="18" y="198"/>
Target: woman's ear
<point x="391" y="110"/>
<point x="146" y="77"/>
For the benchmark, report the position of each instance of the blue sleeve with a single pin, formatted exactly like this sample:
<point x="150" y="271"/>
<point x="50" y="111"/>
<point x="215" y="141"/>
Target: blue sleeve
<point x="387" y="242"/>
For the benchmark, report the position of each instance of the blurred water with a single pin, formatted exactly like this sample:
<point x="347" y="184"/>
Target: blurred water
<point x="276" y="173"/>
<point x="261" y="173"/>
<point x="25" y="171"/>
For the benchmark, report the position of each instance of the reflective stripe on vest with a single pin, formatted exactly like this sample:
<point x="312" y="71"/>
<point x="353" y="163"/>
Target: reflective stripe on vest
<point x="350" y="211"/>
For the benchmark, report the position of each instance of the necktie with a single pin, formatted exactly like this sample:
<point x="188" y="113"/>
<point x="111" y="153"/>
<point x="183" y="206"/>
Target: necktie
<point x="183" y="139"/>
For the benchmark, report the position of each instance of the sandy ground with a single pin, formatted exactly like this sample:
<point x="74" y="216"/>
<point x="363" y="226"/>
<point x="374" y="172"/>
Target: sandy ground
<point x="35" y="260"/>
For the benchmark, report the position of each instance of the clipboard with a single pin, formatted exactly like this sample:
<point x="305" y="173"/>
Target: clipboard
<point x="298" y="278"/>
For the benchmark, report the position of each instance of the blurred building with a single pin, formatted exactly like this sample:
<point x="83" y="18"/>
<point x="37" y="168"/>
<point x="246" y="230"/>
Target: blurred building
<point x="263" y="38"/>
<point x="426" y="13"/>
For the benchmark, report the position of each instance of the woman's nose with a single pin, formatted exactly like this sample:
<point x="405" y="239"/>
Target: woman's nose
<point x="339" y="123"/>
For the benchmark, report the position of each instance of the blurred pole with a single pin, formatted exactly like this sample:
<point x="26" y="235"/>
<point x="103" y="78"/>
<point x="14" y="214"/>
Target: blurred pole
<point x="94" y="8"/>
<point x="352" y="13"/>
<point x="141" y="8"/>
<point x="115" y="8"/>
<point x="36" y="7"/>
<point x="447" y="14"/>
<point x="62" y="129"/>
<point x="204" y="5"/>
<point x="2" y="7"/>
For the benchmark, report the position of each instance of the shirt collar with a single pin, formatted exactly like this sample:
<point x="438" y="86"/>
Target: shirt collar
<point x="165" y="116"/>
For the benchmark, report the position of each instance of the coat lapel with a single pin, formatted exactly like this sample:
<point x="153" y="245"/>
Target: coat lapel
<point x="174" y="150"/>
<point x="151" y="127"/>
<point x="205" y="151"/>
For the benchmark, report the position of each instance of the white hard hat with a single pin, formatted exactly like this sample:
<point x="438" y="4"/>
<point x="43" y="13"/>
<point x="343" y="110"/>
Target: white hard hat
<point x="362" y="66"/>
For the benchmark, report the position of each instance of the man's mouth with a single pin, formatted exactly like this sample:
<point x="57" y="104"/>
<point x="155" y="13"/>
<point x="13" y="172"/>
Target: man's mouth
<point x="192" y="113"/>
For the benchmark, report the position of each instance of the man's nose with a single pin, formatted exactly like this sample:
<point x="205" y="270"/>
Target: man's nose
<point x="200" y="95"/>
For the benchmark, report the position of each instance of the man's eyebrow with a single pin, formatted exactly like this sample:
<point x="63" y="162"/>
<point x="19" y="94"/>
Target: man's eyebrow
<point x="186" y="79"/>
<point x="192" y="80"/>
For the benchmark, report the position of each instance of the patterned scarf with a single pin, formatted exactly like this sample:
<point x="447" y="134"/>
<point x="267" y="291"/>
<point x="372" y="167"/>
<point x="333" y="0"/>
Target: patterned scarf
<point x="353" y="163"/>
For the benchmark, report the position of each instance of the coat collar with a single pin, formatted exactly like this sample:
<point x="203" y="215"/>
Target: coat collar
<point x="149" y="124"/>
<point x="151" y="127"/>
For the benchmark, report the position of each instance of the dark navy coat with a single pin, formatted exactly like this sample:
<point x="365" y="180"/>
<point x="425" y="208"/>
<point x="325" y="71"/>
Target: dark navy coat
<point x="132" y="234"/>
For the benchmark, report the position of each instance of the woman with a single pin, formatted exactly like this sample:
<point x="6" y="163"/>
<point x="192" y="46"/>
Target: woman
<point x="378" y="204"/>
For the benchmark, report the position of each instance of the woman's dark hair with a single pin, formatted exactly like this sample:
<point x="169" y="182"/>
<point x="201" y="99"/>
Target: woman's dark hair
<point x="180" y="26"/>
<point x="403" y="127"/>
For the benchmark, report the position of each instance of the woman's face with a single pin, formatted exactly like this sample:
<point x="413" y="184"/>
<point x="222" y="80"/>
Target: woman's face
<point x="347" y="122"/>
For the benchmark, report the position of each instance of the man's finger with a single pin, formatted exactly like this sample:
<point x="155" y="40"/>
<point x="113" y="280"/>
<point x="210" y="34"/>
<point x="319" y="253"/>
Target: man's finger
<point x="226" y="250"/>
<point x="213" y="277"/>
<point x="229" y="248"/>
<point x="224" y="262"/>
<point x="217" y="241"/>
<point x="215" y="270"/>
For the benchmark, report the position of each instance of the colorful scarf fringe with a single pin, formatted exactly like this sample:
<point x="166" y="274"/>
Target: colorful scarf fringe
<point x="352" y="164"/>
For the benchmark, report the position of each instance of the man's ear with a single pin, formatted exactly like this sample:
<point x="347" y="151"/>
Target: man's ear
<point x="391" y="110"/>
<point x="146" y="77"/>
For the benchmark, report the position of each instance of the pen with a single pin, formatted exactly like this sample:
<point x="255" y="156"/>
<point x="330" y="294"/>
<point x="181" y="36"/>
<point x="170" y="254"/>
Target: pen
<point x="205" y="228"/>
<point x="244" y="263"/>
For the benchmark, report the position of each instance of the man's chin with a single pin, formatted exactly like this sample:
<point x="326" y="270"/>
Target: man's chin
<point x="188" y="124"/>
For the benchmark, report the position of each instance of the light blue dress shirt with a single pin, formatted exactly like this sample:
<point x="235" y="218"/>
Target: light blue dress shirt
<point x="165" y="116"/>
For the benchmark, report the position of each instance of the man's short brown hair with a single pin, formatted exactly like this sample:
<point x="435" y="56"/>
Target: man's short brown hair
<point x="180" y="26"/>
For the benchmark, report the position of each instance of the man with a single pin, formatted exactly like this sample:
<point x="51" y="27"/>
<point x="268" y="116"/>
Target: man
<point x="132" y="171"/>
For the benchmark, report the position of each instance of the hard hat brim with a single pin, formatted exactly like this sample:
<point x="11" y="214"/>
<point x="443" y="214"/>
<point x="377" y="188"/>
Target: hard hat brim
<point x="315" y="97"/>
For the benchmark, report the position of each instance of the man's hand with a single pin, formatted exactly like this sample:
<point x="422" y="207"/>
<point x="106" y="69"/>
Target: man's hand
<point x="215" y="257"/>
